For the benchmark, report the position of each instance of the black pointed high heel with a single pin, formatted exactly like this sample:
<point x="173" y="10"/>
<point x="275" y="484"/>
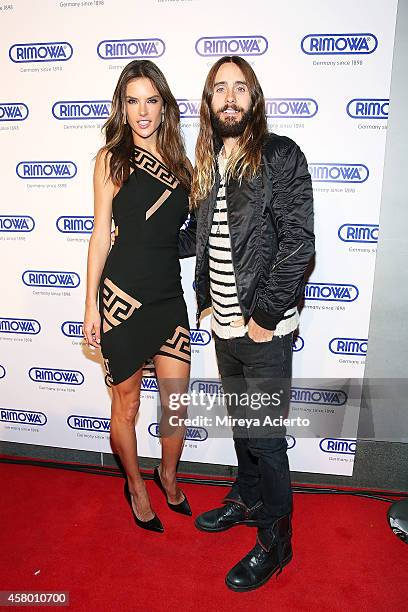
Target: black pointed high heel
<point x="183" y="507"/>
<point x="153" y="524"/>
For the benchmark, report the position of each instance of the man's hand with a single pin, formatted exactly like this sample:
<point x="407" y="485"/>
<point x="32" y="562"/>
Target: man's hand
<point x="258" y="333"/>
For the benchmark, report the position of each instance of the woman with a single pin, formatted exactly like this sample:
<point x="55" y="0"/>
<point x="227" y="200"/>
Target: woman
<point x="142" y="178"/>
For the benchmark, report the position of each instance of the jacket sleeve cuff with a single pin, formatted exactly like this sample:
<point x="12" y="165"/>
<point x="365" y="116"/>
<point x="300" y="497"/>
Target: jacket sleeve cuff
<point x="264" y="319"/>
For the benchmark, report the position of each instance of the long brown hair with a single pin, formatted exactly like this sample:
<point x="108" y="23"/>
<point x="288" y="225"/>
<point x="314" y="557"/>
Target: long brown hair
<point x="246" y="156"/>
<point x="119" y="140"/>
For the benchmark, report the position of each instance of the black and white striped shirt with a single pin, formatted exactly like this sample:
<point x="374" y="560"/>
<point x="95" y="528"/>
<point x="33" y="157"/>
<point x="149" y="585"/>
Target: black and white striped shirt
<point x="227" y="321"/>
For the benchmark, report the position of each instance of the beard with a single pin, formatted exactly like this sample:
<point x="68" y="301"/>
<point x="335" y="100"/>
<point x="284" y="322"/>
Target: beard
<point x="230" y="128"/>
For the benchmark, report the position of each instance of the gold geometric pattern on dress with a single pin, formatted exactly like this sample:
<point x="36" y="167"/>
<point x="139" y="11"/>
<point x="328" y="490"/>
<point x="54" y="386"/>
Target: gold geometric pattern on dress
<point x="158" y="203"/>
<point x="118" y="305"/>
<point x="178" y="346"/>
<point x="152" y="165"/>
<point x="108" y="377"/>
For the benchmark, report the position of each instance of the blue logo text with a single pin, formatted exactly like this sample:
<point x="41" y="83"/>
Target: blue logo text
<point x="41" y="52"/>
<point x="131" y="48"/>
<point x="338" y="173"/>
<point x="358" y="232"/>
<point x="13" y="111"/>
<point x="231" y="45"/>
<point x="339" y="44"/>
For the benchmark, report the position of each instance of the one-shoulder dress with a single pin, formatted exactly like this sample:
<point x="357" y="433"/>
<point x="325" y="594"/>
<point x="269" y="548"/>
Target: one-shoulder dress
<point x="141" y="303"/>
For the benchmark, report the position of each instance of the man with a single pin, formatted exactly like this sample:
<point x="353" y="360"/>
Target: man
<point x="254" y="241"/>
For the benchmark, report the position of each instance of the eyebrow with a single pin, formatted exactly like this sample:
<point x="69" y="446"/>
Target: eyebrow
<point x="148" y="98"/>
<point x="225" y="83"/>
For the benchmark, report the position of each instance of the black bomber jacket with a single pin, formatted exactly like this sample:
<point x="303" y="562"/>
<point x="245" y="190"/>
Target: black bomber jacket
<point x="270" y="222"/>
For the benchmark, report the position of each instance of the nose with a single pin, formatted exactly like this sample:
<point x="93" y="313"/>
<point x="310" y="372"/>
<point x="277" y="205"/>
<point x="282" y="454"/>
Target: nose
<point x="230" y="94"/>
<point x="143" y="109"/>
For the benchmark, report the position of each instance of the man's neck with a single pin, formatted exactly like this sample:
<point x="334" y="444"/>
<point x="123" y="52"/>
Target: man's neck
<point x="229" y="144"/>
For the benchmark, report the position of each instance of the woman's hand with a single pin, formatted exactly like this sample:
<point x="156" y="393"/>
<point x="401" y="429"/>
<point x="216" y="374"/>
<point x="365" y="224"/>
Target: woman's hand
<point x="92" y="326"/>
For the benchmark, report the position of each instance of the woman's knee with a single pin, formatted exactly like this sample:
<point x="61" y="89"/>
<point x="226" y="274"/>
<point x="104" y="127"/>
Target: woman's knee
<point x="125" y="406"/>
<point x="176" y="409"/>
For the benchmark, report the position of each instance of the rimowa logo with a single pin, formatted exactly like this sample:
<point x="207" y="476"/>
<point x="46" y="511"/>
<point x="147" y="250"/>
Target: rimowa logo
<point x="56" y="376"/>
<point x="16" y="223"/>
<point x="339" y="446"/>
<point x="325" y="397"/>
<point x="88" y="423"/>
<point x="149" y="383"/>
<point x="73" y="329"/>
<point x="338" y="173"/>
<point x="349" y="346"/>
<point x="30" y="170"/>
<point x="23" y="417"/>
<point x="51" y="278"/>
<point x="331" y="292"/>
<point x="41" y="52"/>
<point x="199" y="337"/>
<point x="210" y="46"/>
<point x="291" y="108"/>
<point x="13" y="111"/>
<point x="189" y="109"/>
<point x="131" y="48"/>
<point x="358" y="232"/>
<point x="339" y="44"/>
<point x="196" y="434"/>
<point x="81" y="109"/>
<point x="211" y="387"/>
<point x="19" y="326"/>
<point x="81" y="224"/>
<point x="368" y="108"/>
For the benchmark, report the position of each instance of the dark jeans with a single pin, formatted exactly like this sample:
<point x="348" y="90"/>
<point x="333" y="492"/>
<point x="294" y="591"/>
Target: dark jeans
<point x="248" y="367"/>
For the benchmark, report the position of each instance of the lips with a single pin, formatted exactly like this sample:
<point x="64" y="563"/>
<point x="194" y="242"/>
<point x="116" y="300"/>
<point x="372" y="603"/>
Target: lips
<point x="143" y="124"/>
<point x="230" y="111"/>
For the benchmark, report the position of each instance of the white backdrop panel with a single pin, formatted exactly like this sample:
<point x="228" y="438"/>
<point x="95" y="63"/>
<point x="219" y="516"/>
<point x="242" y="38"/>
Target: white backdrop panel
<point x="52" y="386"/>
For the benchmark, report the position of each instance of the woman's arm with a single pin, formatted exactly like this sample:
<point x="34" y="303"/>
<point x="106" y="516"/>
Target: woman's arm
<point x="99" y="246"/>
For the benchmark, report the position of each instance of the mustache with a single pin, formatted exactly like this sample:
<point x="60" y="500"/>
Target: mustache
<point x="232" y="106"/>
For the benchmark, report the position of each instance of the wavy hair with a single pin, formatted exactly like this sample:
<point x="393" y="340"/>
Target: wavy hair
<point x="245" y="158"/>
<point x="118" y="133"/>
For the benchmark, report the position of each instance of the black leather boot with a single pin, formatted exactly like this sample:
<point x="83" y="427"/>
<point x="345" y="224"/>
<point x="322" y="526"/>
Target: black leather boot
<point x="234" y="512"/>
<point x="273" y="550"/>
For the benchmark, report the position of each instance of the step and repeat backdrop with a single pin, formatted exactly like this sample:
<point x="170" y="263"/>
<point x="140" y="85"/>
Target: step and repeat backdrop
<point x="325" y="70"/>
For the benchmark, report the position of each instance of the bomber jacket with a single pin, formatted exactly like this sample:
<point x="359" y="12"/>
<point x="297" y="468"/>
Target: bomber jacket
<point x="270" y="220"/>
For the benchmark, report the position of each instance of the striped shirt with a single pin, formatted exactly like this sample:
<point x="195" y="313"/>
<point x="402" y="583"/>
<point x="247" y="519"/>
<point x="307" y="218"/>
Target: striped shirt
<point x="227" y="321"/>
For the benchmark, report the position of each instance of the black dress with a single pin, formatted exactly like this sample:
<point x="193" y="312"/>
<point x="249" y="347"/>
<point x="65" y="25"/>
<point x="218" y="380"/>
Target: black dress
<point x="141" y="302"/>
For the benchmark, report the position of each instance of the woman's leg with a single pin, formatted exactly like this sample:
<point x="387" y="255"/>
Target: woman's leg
<point x="125" y="406"/>
<point x="173" y="377"/>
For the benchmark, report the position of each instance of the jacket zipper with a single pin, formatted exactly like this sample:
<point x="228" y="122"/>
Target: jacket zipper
<point x="198" y="312"/>
<point x="287" y="256"/>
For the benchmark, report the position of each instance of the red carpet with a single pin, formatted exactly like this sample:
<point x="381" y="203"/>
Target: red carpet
<point x="71" y="531"/>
